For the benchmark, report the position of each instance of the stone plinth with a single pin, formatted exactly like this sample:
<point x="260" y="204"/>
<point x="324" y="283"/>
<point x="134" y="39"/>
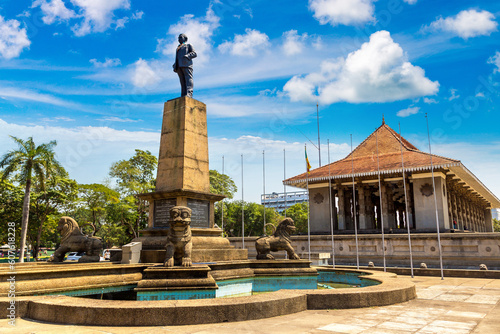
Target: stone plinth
<point x="160" y="283"/>
<point x="208" y="246"/>
<point x="183" y="159"/>
<point x="183" y="180"/>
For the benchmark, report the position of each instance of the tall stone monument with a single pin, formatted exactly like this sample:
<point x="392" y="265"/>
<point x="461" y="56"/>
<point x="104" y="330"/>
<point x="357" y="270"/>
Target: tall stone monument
<point x="183" y="180"/>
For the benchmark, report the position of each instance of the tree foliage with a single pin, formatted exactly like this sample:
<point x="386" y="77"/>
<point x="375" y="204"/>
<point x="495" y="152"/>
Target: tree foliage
<point x="30" y="164"/>
<point x="496" y="225"/>
<point x="298" y="212"/>
<point x="133" y="177"/>
<point x="222" y="184"/>
<point x="254" y="218"/>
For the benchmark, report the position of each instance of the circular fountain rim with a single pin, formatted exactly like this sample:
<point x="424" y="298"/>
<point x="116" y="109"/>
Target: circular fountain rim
<point x="81" y="311"/>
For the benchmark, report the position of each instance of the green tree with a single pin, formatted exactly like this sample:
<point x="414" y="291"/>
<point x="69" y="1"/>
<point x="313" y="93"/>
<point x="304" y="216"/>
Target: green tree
<point x="30" y="163"/>
<point x="298" y="212"/>
<point x="59" y="191"/>
<point x="120" y="222"/>
<point x="93" y="202"/>
<point x="496" y="225"/>
<point x="135" y="176"/>
<point x="254" y="220"/>
<point x="222" y="184"/>
<point x="11" y="208"/>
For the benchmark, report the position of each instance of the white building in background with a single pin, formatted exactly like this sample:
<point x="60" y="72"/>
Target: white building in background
<point x="280" y="200"/>
<point x="495" y="213"/>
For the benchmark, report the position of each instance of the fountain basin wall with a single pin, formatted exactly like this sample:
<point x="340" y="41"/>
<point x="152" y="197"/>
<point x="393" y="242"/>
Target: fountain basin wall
<point x="82" y="311"/>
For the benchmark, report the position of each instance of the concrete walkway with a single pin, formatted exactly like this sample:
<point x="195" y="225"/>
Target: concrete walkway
<point x="452" y="305"/>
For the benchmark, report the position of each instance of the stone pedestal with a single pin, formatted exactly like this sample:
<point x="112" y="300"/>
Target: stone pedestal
<point x="183" y="180"/>
<point x="160" y="283"/>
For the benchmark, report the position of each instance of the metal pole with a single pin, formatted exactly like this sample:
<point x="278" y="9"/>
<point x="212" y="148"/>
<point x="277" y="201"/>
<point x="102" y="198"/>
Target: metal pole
<point x="406" y="200"/>
<point x="319" y="142"/>
<point x="435" y="200"/>
<point x="264" y="188"/>
<point x="308" y="211"/>
<point x="222" y="202"/>
<point x="284" y="176"/>
<point x="354" y="207"/>
<point x="330" y="201"/>
<point x="380" y="196"/>
<point x="242" y="208"/>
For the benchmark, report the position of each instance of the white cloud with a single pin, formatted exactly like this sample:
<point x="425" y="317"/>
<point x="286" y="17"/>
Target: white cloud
<point x="378" y="72"/>
<point x="247" y="44"/>
<point x="495" y="60"/>
<point x="408" y="111"/>
<point x="108" y="62"/>
<point x="411" y="2"/>
<point x="54" y="10"/>
<point x="199" y="32"/>
<point x="143" y="74"/>
<point x="118" y="119"/>
<point x="294" y="43"/>
<point x="453" y="94"/>
<point x="335" y="12"/>
<point x="467" y="23"/>
<point x="137" y="15"/>
<point x="98" y="15"/>
<point x="430" y="101"/>
<point x="29" y="95"/>
<point x="92" y="15"/>
<point x="480" y="94"/>
<point x="13" y="39"/>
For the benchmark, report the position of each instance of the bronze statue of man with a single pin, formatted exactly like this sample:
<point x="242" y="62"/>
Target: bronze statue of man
<point x="184" y="65"/>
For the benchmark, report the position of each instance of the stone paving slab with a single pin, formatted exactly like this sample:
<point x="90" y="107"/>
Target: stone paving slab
<point x="455" y="305"/>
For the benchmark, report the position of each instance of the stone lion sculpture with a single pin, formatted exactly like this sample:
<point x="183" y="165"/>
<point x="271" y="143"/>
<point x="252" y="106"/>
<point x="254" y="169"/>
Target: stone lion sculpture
<point x="179" y="244"/>
<point x="280" y="240"/>
<point x="74" y="241"/>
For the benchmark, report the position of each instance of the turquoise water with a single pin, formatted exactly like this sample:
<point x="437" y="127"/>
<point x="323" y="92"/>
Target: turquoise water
<point x="238" y="287"/>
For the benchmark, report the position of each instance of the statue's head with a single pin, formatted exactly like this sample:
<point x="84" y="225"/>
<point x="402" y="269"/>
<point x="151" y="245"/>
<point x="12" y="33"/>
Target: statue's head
<point x="182" y="38"/>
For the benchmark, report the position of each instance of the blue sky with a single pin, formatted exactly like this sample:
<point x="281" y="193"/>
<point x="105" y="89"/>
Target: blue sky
<point x="94" y="75"/>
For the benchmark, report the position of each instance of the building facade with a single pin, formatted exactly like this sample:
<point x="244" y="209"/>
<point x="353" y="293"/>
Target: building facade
<point x="371" y="187"/>
<point x="281" y="201"/>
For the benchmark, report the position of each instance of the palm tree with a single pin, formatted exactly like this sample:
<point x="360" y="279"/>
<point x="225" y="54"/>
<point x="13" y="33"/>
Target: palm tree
<point x="30" y="163"/>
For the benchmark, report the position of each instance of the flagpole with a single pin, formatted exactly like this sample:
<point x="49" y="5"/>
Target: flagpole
<point x="308" y="206"/>
<point x="222" y="202"/>
<point x="354" y="207"/>
<point x="319" y="142"/>
<point x="242" y="208"/>
<point x="330" y="201"/>
<point x="264" y="187"/>
<point x="284" y="176"/>
<point x="380" y="196"/>
<point x="406" y="199"/>
<point x="435" y="200"/>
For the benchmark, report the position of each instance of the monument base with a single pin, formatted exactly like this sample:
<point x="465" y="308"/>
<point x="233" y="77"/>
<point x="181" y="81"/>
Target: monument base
<point x="208" y="246"/>
<point x="160" y="283"/>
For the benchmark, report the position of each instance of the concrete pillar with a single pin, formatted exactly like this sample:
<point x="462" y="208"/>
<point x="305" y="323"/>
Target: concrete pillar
<point x="334" y="210"/>
<point x="423" y="194"/>
<point x="362" y="207"/>
<point x="391" y="208"/>
<point x="341" y="219"/>
<point x="488" y="220"/>
<point x="319" y="210"/>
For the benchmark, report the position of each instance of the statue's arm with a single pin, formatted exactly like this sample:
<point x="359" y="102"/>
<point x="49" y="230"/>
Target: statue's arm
<point x="192" y="54"/>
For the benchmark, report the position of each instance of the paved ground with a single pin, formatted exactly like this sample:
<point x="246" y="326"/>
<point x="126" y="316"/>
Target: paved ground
<point x="452" y="305"/>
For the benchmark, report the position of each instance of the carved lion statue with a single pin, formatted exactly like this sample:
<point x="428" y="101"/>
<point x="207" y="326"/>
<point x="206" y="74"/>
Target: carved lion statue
<point x="74" y="241"/>
<point x="280" y="240"/>
<point x="179" y="244"/>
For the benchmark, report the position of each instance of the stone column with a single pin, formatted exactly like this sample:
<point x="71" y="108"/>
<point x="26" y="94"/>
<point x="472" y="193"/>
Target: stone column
<point x="341" y="219"/>
<point x="488" y="220"/>
<point x="362" y="207"/>
<point x="334" y="210"/>
<point x="391" y="209"/>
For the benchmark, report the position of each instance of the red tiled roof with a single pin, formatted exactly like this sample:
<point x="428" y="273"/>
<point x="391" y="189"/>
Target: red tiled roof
<point x="364" y="158"/>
